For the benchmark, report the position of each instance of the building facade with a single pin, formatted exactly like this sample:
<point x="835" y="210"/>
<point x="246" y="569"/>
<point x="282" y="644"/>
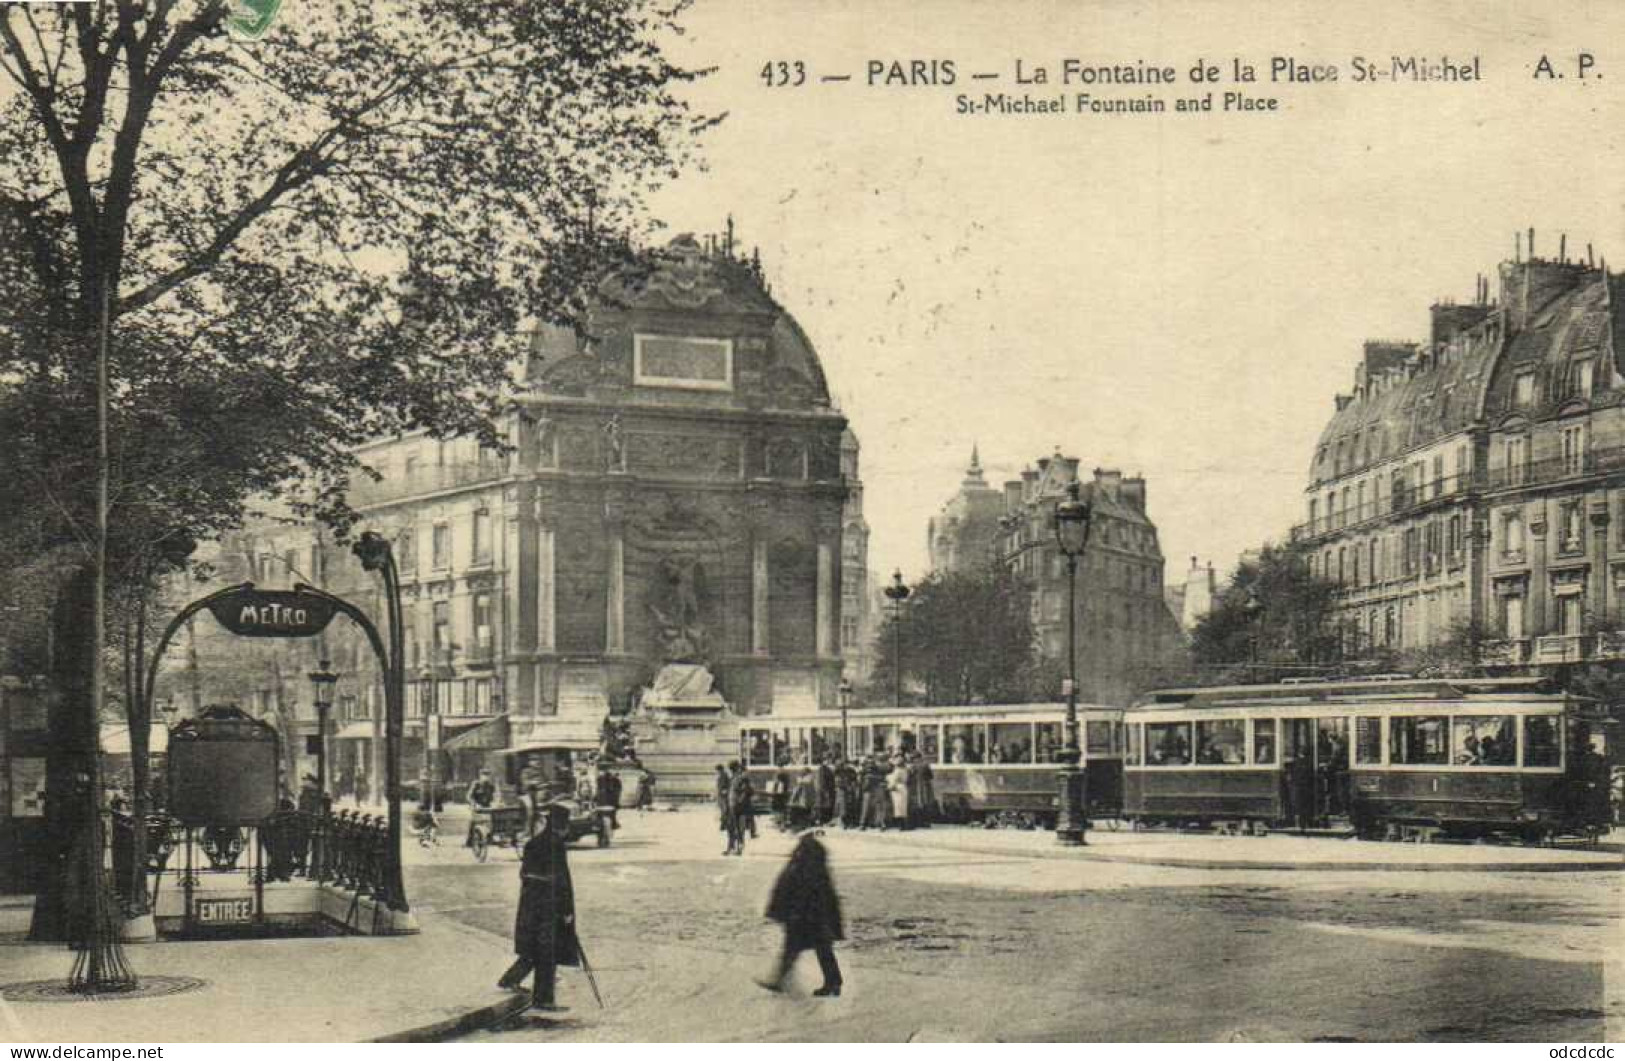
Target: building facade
<point x="1126" y="636"/>
<point x="679" y="490"/>
<point x="1192" y="598"/>
<point x="860" y="618"/>
<point x="1475" y="483"/>
<point x="965" y="534"/>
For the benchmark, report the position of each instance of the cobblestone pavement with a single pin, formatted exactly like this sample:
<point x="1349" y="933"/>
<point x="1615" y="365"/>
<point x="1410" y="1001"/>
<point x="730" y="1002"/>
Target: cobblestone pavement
<point x="955" y="944"/>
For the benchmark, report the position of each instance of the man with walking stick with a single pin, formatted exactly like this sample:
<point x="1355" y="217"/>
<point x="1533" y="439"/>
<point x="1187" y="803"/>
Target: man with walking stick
<point x="544" y="930"/>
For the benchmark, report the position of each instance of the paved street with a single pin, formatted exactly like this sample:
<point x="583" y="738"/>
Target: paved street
<point x="946" y="942"/>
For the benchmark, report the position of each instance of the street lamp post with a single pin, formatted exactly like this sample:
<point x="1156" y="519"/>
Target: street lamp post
<point x="322" y="681"/>
<point x="843" y="696"/>
<point x="1254" y="608"/>
<point x="375" y="554"/>
<point x="1072" y="518"/>
<point x="897" y="593"/>
<point x="428" y="689"/>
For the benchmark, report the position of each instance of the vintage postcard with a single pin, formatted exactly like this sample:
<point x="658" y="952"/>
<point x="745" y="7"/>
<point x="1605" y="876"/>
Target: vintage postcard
<point x="661" y="521"/>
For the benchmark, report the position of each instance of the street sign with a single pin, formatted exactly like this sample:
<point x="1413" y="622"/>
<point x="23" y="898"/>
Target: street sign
<point x="224" y="911"/>
<point x="272" y="613"/>
<point x="433" y="723"/>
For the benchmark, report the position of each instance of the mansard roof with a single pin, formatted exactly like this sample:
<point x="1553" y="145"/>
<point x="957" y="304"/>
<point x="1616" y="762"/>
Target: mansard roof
<point x="1406" y="395"/>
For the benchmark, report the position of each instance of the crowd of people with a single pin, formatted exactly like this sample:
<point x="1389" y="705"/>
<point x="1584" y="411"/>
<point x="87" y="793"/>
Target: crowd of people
<point x="878" y="791"/>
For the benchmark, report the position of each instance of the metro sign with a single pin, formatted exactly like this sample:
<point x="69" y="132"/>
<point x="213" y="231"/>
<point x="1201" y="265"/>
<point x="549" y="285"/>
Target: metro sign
<point x="272" y="613"/>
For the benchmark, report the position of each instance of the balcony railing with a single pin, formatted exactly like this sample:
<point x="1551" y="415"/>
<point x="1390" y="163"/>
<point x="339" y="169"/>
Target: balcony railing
<point x="1400" y="501"/>
<point x="1530" y="473"/>
<point x="1505" y="652"/>
<point x="1562" y="648"/>
<point x="424" y="480"/>
<point x="1553" y="648"/>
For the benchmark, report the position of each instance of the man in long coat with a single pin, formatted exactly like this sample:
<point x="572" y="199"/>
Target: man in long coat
<point x="846" y="794"/>
<point x="876" y="799"/>
<point x="544" y="930"/>
<point x="824" y="786"/>
<point x="741" y="809"/>
<point x="725" y="820"/>
<point x="805" y="903"/>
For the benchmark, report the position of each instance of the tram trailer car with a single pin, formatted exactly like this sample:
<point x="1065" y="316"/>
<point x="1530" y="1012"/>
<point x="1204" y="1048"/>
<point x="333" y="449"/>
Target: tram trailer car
<point x="1466" y="757"/>
<point x="988" y="763"/>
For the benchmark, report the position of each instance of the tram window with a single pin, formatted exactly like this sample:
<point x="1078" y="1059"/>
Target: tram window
<point x="782" y="748"/>
<point x="860" y="738"/>
<point x="1263" y="741"/>
<point x="1168" y="743"/>
<point x="1542" y="745"/>
<point x="1221" y="741"/>
<point x="1133" y="754"/>
<point x="907" y="741"/>
<point x="1418" y="741"/>
<point x="1010" y="742"/>
<point x="885" y="740"/>
<point x="965" y="743"/>
<point x="825" y="742"/>
<point x="1097" y="737"/>
<point x="1483" y="740"/>
<point x="1050" y="739"/>
<point x="1368" y="740"/>
<point x="761" y="753"/>
<point x="930" y="741"/>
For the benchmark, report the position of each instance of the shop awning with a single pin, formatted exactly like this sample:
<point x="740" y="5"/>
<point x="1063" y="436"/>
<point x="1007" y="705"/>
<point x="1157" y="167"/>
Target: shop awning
<point x="116" y="739"/>
<point x="477" y="734"/>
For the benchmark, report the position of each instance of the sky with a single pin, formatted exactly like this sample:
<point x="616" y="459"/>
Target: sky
<point x="1177" y="295"/>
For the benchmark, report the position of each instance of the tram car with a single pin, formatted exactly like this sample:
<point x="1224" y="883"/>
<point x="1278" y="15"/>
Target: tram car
<point x="1387" y="758"/>
<point x="988" y="763"/>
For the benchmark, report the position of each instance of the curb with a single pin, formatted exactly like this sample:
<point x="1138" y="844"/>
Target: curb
<point x="460" y="1024"/>
<point x="1089" y="855"/>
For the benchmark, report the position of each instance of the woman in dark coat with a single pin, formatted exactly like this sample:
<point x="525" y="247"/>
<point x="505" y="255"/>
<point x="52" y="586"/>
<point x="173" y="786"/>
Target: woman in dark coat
<point x="805" y="903"/>
<point x="544" y="931"/>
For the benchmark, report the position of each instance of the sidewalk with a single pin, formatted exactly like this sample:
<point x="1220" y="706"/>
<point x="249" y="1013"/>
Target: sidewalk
<point x="345" y="989"/>
<point x="1275" y="852"/>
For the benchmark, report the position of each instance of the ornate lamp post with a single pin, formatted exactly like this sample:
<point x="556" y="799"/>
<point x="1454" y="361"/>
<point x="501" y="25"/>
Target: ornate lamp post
<point x="843" y="696"/>
<point x="1254" y="609"/>
<point x="1072" y="518"/>
<point x="322" y="681"/>
<point x="375" y="554"/>
<point x="897" y="593"/>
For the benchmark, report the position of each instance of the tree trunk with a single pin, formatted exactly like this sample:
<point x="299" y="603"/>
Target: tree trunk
<point x="139" y="714"/>
<point x="70" y="764"/>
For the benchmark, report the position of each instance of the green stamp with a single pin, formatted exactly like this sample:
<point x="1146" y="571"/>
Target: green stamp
<point x="249" y="19"/>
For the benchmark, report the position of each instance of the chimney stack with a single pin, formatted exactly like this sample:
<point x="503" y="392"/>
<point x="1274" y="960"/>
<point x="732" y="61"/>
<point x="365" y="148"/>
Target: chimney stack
<point x="1563" y="248"/>
<point x="1531" y="243"/>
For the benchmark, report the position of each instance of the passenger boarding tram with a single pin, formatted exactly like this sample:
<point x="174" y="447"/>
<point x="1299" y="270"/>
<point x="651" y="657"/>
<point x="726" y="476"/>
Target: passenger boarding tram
<point x="1469" y="757"/>
<point x="992" y="762"/>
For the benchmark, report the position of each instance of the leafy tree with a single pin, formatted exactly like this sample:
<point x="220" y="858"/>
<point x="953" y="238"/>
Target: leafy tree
<point x="966" y="637"/>
<point x="1274" y="619"/>
<point x="288" y="247"/>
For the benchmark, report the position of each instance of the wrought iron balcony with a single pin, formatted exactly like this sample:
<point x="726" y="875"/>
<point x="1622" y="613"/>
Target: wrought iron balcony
<point x="1410" y="498"/>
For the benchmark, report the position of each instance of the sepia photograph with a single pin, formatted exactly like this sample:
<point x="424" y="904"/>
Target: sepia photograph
<point x="770" y="521"/>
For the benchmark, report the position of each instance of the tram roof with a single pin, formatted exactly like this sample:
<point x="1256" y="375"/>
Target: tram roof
<point x="1371" y="688"/>
<point x="883" y="715"/>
